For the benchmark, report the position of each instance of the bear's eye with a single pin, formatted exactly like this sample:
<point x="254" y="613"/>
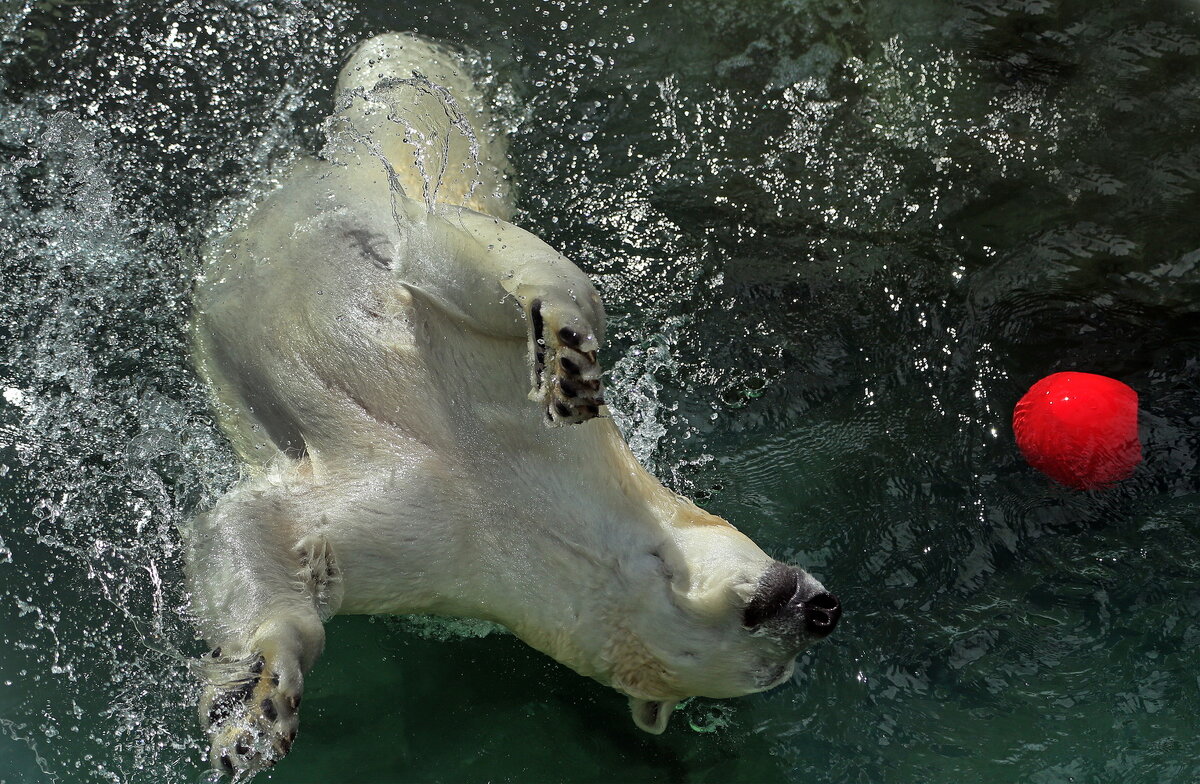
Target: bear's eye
<point x="663" y="567"/>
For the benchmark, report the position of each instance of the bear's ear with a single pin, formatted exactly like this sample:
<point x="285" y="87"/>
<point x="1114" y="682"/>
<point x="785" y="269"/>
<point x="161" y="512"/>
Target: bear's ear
<point x="651" y="715"/>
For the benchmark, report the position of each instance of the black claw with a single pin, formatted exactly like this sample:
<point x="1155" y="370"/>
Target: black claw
<point x="257" y="666"/>
<point x="567" y="389"/>
<point x="535" y="317"/>
<point x="274" y="679"/>
<point x="241" y="748"/>
<point x="569" y="366"/>
<point x="227" y="764"/>
<point x="591" y="410"/>
<point x="216" y="652"/>
<point x="535" y="313"/>
<point x="268" y="709"/>
<point x="562" y="409"/>
<point x="243" y="692"/>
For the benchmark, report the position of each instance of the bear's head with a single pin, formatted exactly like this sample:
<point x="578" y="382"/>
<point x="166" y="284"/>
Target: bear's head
<point x="721" y="619"/>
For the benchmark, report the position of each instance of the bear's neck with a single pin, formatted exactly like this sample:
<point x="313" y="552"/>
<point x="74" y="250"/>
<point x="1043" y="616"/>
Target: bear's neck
<point x="553" y="536"/>
<point x="573" y="533"/>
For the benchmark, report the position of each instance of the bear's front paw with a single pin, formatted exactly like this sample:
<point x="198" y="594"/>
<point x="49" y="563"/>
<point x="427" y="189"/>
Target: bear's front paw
<point x="251" y="720"/>
<point x="566" y="375"/>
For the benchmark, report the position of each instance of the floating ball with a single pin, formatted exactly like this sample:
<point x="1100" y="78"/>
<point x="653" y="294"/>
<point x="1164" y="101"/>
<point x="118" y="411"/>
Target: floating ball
<point x="1080" y="429"/>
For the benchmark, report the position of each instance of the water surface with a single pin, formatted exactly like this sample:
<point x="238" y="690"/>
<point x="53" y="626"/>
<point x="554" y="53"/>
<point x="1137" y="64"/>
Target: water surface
<point x="837" y="241"/>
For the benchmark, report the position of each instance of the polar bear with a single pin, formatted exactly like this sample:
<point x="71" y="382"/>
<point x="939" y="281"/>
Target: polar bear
<point x="412" y="383"/>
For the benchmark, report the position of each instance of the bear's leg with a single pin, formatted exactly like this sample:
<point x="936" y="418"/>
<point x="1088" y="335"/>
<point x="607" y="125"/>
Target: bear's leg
<point x="411" y="103"/>
<point x="414" y="100"/>
<point x="563" y="317"/>
<point x="261" y="604"/>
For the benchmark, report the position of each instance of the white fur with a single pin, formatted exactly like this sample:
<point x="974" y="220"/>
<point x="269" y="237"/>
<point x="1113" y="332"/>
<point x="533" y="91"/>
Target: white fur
<point x="369" y="355"/>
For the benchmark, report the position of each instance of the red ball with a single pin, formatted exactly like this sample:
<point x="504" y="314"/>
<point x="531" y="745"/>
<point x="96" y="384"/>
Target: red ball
<point x="1079" y="429"/>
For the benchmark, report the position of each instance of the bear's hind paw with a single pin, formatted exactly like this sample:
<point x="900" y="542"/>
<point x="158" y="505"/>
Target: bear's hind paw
<point x="250" y="720"/>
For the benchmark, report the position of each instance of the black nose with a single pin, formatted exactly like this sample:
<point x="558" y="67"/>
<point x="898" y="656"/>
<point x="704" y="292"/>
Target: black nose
<point x="821" y="613"/>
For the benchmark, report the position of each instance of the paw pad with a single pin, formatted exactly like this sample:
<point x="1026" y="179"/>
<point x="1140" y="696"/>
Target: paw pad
<point x="566" y="375"/>
<point x="250" y="721"/>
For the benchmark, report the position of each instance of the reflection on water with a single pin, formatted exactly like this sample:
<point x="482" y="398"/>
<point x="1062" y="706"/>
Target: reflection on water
<point x="837" y="242"/>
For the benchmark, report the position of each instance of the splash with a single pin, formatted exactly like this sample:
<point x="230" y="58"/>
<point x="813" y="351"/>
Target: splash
<point x="106" y="443"/>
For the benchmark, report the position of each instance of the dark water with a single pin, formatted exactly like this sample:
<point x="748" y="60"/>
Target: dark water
<point x="837" y="242"/>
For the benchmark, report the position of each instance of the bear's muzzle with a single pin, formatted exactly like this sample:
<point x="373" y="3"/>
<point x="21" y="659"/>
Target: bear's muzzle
<point x="789" y="598"/>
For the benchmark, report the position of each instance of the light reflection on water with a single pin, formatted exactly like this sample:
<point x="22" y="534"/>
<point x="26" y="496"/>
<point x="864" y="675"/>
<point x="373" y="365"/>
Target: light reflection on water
<point x="836" y="241"/>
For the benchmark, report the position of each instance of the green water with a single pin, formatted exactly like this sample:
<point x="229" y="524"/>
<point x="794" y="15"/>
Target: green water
<point x="837" y="241"/>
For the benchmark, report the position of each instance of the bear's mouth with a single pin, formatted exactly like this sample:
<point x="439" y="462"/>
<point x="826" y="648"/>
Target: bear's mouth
<point x="774" y="676"/>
